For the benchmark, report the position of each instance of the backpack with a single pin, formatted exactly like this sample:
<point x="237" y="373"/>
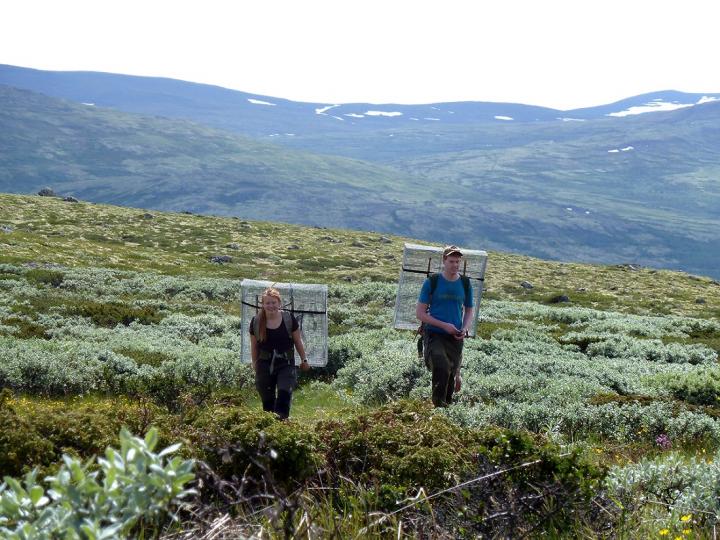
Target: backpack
<point x="423" y="339"/>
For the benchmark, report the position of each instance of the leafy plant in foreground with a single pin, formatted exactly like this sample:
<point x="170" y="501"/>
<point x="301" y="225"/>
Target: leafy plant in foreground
<point x="133" y="484"/>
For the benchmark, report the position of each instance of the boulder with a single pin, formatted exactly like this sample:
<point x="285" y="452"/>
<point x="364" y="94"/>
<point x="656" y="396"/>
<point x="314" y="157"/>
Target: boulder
<point x="46" y="192"/>
<point x="221" y="259"/>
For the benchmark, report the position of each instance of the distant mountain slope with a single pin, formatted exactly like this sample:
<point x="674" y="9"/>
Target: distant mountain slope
<point x="109" y="156"/>
<point x="640" y="188"/>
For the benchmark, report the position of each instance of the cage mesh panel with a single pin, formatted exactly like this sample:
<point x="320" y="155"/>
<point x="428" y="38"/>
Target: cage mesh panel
<point x="309" y="304"/>
<point x="417" y="261"/>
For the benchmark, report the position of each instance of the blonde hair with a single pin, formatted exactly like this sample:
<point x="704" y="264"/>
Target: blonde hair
<point x="262" y="321"/>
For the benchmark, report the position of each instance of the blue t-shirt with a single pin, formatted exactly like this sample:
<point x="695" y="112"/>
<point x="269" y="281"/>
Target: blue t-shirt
<point x="447" y="301"/>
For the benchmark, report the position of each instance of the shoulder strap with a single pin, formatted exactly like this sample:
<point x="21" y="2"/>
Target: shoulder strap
<point x="433" y="283"/>
<point x="466" y="286"/>
<point x="256" y="326"/>
<point x="287" y="320"/>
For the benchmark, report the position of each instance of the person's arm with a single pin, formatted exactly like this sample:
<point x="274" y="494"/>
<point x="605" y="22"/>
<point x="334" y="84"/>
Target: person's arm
<point x="300" y="348"/>
<point x="424" y="316"/>
<point x="467" y="320"/>
<point x="253" y="351"/>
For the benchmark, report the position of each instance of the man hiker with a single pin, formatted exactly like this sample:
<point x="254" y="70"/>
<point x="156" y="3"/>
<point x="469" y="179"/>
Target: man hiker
<point x="445" y="309"/>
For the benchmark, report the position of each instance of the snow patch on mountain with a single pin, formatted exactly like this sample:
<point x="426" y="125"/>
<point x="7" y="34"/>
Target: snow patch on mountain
<point x="707" y="99"/>
<point x="260" y="102"/>
<point x="323" y="110"/>
<point x="656" y="105"/>
<point x="383" y="113"/>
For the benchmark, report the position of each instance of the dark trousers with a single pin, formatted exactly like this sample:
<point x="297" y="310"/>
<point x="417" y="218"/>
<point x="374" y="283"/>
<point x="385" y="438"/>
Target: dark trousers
<point x="275" y="387"/>
<point x="445" y="358"/>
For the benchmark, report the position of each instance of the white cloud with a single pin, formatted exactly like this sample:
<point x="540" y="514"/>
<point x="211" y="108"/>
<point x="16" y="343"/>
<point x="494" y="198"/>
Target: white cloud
<point x="354" y="115"/>
<point x="504" y="118"/>
<point x="382" y="113"/>
<point x="653" y="106"/>
<point x="433" y="119"/>
<point x="572" y="119"/>
<point x="259" y="102"/>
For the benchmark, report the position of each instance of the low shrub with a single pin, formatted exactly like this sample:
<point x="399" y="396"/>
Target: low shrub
<point x="404" y="446"/>
<point x="41" y="276"/>
<point x="109" y="315"/>
<point x="237" y="443"/>
<point x="37" y="432"/>
<point x="697" y="387"/>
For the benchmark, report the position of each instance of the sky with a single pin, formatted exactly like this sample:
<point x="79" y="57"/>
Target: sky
<point x="554" y="53"/>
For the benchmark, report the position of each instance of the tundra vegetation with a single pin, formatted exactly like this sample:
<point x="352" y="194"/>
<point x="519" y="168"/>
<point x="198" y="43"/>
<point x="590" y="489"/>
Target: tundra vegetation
<point x="119" y="335"/>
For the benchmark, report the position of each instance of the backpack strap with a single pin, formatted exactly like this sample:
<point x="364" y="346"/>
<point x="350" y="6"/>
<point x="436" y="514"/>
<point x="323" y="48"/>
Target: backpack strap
<point x="466" y="287"/>
<point x="433" y="284"/>
<point x="287" y="321"/>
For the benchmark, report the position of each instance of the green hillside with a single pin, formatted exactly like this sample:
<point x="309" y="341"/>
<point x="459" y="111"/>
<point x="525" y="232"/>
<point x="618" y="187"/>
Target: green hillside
<point x="47" y="230"/>
<point x="127" y="159"/>
<point x="115" y="317"/>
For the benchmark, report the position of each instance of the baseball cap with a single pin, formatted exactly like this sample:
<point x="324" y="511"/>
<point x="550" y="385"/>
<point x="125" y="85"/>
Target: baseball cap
<point x="452" y="250"/>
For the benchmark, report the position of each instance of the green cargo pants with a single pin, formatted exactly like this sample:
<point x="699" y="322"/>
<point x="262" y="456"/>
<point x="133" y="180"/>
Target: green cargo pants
<point x="445" y="358"/>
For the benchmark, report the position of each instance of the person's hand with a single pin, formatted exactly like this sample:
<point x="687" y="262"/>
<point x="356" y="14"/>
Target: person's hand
<point x="451" y="329"/>
<point x="304" y="366"/>
<point x="461" y="334"/>
<point x="458" y="382"/>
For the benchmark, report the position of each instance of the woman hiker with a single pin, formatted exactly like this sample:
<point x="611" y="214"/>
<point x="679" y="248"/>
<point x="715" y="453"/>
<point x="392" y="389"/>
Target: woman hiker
<point x="274" y="337"/>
